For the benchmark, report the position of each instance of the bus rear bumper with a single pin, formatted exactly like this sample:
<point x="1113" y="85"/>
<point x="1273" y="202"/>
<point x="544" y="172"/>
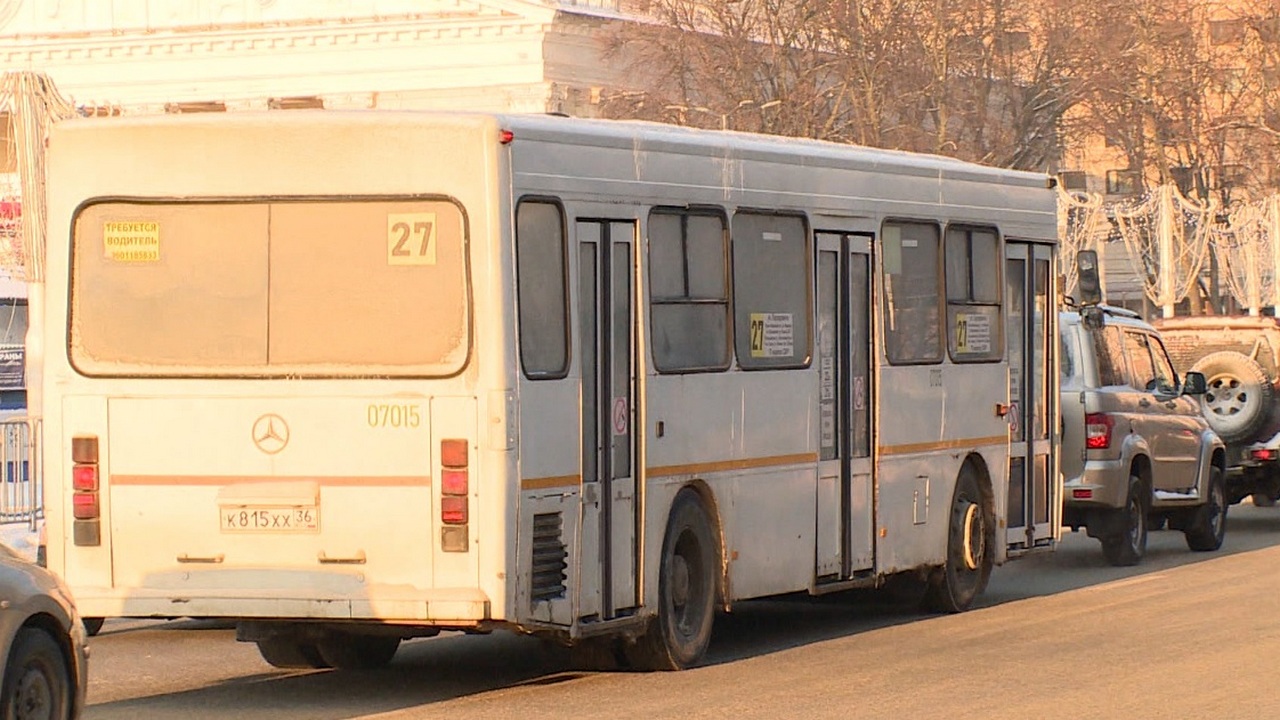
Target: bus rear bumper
<point x="453" y="607"/>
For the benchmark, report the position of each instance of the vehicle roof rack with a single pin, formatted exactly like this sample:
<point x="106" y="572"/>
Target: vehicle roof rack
<point x="1120" y="311"/>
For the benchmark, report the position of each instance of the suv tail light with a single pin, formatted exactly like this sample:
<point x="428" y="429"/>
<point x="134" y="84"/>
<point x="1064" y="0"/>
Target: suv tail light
<point x="1097" y="431"/>
<point x="1264" y="454"/>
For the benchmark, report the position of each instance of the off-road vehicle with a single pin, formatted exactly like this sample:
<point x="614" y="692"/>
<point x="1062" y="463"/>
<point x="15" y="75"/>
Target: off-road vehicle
<point x="1137" y="453"/>
<point x="1240" y="358"/>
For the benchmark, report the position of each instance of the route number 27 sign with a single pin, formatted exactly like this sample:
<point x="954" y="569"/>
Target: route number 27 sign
<point x="411" y="239"/>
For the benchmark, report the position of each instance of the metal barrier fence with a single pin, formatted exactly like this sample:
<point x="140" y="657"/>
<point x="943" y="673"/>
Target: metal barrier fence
<point x="21" y="479"/>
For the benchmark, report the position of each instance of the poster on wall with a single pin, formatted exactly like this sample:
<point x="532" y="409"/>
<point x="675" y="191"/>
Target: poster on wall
<point x="12" y="368"/>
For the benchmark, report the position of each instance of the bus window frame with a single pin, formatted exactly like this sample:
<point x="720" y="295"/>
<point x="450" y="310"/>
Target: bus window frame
<point x="997" y="340"/>
<point x="564" y="286"/>
<point x="468" y="283"/>
<point x="809" y="254"/>
<point x="684" y="212"/>
<point x="939" y="287"/>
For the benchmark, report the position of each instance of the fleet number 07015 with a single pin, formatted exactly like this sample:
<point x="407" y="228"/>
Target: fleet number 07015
<point x="382" y="415"/>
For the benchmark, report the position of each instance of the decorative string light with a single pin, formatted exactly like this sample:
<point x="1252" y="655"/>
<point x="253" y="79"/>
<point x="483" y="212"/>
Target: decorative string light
<point x="34" y="105"/>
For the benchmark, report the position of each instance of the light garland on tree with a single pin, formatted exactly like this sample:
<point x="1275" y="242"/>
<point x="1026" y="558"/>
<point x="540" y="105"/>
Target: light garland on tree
<point x="1168" y="241"/>
<point x="1240" y="246"/>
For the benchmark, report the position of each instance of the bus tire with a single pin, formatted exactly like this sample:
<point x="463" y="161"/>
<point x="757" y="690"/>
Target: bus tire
<point x="92" y="625"/>
<point x="290" y="653"/>
<point x="970" y="549"/>
<point x="678" y="637"/>
<point x="597" y="654"/>
<point x="346" y="651"/>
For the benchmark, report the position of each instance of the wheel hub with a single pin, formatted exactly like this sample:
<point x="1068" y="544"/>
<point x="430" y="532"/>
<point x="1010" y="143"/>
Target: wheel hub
<point x="974" y="537"/>
<point x="1217" y="501"/>
<point x="1136" y="537"/>
<point x="679" y="581"/>
<point x="1225" y="396"/>
<point x="34" y="698"/>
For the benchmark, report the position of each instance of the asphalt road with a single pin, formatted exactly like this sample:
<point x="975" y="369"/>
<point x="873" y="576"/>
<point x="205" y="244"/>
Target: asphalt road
<point x="1184" y="635"/>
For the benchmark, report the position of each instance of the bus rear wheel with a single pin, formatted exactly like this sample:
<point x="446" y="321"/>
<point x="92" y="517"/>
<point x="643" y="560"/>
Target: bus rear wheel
<point x="679" y="635"/>
<point x="970" y="545"/>
<point x="346" y="651"/>
<point x="290" y="653"/>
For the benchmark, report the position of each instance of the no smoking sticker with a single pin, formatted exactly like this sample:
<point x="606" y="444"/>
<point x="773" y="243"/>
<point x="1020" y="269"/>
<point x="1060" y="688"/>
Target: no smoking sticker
<point x="620" y="416"/>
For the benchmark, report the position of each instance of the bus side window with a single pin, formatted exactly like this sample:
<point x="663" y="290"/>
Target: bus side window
<point x="912" y="293"/>
<point x="541" y="288"/>
<point x="688" y="290"/>
<point x="771" y="295"/>
<point x="974" y="322"/>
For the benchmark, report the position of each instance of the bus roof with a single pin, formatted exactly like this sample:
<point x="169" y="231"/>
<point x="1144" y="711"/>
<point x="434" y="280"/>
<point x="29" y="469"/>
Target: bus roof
<point x="776" y="148"/>
<point x="633" y="134"/>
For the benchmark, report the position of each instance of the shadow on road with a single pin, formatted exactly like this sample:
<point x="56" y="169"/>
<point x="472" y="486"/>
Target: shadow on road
<point x="453" y="667"/>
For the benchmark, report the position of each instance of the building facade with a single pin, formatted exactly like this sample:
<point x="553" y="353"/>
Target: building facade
<point x="113" y="56"/>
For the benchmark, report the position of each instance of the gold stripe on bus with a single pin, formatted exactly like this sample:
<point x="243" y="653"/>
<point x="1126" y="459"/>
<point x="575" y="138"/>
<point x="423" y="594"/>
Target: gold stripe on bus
<point x="725" y="465"/>
<point x="327" y="480"/>
<point x="911" y="448"/>
<point x="547" y="483"/>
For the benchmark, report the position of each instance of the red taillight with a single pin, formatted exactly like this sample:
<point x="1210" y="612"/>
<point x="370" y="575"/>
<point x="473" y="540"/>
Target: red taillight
<point x="453" y="510"/>
<point x="453" y="482"/>
<point x="1264" y="454"/>
<point x="85" y="506"/>
<point x="1082" y="494"/>
<point x="84" y="477"/>
<point x="506" y="136"/>
<point x="453" y="453"/>
<point x="1097" y="431"/>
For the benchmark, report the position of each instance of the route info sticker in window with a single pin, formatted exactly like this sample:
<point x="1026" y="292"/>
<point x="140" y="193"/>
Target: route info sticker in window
<point x="772" y="335"/>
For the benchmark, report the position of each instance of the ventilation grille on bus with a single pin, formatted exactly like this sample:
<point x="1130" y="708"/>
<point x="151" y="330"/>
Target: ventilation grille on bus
<point x="549" y="557"/>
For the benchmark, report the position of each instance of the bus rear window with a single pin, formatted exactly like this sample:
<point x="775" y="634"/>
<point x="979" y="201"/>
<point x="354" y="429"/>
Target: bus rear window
<point x="315" y="287"/>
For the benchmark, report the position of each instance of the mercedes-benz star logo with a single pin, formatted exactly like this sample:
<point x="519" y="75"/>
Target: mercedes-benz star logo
<point x="270" y="433"/>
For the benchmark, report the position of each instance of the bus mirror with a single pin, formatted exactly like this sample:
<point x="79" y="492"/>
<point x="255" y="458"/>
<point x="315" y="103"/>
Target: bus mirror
<point x="1089" y="284"/>
<point x="1092" y="317"/>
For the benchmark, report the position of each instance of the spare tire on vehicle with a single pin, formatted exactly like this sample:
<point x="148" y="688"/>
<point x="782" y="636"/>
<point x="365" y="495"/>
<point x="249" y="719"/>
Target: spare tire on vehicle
<point x="1239" y="402"/>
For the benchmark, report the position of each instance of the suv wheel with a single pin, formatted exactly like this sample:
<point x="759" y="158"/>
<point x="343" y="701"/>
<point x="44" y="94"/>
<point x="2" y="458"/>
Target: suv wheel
<point x="1129" y="545"/>
<point x="1210" y="523"/>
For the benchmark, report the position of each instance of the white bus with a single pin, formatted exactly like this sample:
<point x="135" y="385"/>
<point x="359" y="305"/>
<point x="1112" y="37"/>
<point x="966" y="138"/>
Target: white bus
<point x="351" y="378"/>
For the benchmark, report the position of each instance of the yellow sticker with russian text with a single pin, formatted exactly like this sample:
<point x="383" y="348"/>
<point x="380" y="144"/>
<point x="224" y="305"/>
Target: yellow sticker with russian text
<point x="131" y="241"/>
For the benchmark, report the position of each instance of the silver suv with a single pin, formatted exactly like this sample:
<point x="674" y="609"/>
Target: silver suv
<point x="1136" y="451"/>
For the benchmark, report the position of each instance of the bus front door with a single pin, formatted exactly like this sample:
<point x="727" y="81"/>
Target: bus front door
<point x="607" y="570"/>
<point x="1033" y="507"/>
<point x="845" y="502"/>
